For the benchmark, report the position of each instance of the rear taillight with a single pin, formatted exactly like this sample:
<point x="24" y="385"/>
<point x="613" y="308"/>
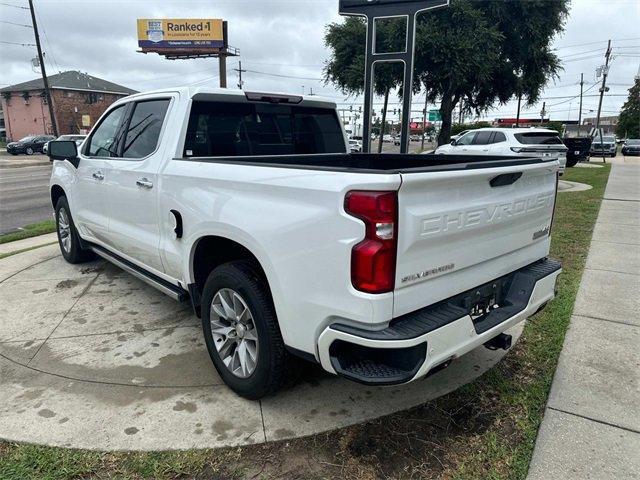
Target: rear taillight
<point x="373" y="260"/>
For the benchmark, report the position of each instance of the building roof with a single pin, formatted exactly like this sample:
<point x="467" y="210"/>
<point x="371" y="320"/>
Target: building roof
<point x="71" y="80"/>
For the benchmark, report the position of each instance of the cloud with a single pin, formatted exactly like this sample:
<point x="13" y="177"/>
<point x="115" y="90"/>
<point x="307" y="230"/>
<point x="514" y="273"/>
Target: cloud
<point x="278" y="37"/>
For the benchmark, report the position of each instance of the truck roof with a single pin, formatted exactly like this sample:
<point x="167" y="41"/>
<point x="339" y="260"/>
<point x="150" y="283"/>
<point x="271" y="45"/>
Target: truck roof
<point x="192" y="91"/>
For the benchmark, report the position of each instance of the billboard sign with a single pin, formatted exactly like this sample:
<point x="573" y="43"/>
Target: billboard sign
<point x="388" y="7"/>
<point x="180" y="34"/>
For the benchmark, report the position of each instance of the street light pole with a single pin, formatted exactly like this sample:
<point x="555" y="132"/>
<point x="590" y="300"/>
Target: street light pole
<point x="45" y="80"/>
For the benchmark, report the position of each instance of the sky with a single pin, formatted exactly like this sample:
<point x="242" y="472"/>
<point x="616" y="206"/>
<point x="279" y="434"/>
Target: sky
<point x="282" y="48"/>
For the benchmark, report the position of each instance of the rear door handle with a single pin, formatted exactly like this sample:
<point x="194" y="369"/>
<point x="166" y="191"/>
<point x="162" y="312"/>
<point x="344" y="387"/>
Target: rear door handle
<point x="144" y="183"/>
<point x="98" y="175"/>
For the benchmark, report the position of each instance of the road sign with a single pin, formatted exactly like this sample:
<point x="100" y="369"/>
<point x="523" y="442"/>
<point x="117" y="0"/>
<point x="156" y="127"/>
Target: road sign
<point x="388" y="7"/>
<point x="434" y="116"/>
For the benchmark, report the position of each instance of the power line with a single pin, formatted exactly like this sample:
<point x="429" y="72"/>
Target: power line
<point x="16" y="24"/>
<point x="21" y="44"/>
<point x="284" y="76"/>
<point x="14" y="6"/>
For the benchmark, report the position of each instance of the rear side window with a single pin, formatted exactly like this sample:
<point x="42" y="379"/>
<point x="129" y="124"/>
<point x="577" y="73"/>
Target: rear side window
<point x="220" y="129"/>
<point x="499" y="137"/>
<point x="538" y="138"/>
<point x="144" y="128"/>
<point x="482" y="138"/>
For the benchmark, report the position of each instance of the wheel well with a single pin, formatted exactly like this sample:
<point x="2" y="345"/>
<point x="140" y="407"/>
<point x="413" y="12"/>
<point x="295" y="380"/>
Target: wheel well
<point x="211" y="252"/>
<point x="56" y="193"/>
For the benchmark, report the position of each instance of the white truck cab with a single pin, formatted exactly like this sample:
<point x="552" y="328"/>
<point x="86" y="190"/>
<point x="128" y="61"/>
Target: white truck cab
<point x="249" y="205"/>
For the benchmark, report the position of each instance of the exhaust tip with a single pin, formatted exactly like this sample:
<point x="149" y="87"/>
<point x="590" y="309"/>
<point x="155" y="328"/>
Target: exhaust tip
<point x="501" y="342"/>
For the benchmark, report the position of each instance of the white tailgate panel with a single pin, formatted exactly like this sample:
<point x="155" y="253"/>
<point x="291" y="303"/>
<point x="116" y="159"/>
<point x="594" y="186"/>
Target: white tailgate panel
<point x="456" y="231"/>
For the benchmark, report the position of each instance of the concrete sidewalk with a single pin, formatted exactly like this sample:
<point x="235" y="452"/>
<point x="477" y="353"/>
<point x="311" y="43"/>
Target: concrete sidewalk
<point x="32" y="242"/>
<point x="591" y="427"/>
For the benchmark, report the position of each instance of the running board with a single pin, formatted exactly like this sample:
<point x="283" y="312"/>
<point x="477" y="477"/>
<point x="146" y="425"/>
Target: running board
<point x="161" y="284"/>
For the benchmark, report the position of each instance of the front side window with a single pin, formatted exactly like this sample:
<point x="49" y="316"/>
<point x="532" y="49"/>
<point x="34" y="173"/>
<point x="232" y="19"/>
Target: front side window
<point x="104" y="141"/>
<point x="144" y="128"/>
<point x="219" y="129"/>
<point x="466" y="139"/>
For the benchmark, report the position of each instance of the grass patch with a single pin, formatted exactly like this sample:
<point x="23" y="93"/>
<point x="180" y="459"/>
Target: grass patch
<point x="29" y="231"/>
<point x="484" y="430"/>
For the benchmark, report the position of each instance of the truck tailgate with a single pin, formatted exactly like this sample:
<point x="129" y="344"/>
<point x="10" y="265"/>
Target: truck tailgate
<point x="462" y="228"/>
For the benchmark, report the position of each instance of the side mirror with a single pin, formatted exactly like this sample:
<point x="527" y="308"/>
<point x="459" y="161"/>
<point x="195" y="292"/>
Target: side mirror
<point x="453" y="142"/>
<point x="64" y="150"/>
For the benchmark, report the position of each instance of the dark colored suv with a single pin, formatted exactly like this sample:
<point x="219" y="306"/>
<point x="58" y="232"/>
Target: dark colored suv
<point x="29" y="145"/>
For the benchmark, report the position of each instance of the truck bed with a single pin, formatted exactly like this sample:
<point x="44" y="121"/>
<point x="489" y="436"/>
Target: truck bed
<point x="374" y="162"/>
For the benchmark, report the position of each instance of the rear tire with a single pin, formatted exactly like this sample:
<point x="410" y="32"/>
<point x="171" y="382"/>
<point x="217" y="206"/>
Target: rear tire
<point x="572" y="163"/>
<point x="248" y="328"/>
<point x="29" y="151"/>
<point x="68" y="238"/>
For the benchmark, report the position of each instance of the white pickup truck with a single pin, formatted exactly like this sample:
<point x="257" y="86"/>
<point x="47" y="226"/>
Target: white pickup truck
<point x="381" y="268"/>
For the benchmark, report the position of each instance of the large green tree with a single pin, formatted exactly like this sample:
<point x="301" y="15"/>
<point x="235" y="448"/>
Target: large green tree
<point x="480" y="53"/>
<point x="629" y="121"/>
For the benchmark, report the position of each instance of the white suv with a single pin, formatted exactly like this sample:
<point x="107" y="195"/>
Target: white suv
<point x="512" y="142"/>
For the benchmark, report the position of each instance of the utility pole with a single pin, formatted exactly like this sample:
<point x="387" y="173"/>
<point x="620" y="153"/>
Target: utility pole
<point x="543" y="112"/>
<point x="45" y="80"/>
<point x="311" y="94"/>
<point x="518" y="116"/>
<point x="605" y="73"/>
<point x="580" y="111"/>
<point x="460" y="118"/>
<point x="240" y="71"/>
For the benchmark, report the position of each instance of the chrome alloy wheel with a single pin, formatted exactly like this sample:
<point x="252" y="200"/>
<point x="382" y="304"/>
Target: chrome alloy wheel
<point x="64" y="230"/>
<point x="234" y="332"/>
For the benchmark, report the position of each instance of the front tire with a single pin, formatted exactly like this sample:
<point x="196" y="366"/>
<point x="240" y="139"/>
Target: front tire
<point x="68" y="238"/>
<point x="242" y="333"/>
<point x="29" y="151"/>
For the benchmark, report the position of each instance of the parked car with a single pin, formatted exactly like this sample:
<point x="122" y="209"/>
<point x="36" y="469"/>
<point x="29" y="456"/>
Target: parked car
<point x="76" y="138"/>
<point x="396" y="139"/>
<point x="415" y="138"/>
<point x="631" y="147"/>
<point x="381" y="268"/>
<point x="387" y="138"/>
<point x="524" y="142"/>
<point x="29" y="145"/>
<point x="605" y="145"/>
<point x="355" y="146"/>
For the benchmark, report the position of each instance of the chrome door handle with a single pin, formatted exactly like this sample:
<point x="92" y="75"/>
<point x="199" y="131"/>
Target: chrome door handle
<point x="98" y="175"/>
<point x="144" y="183"/>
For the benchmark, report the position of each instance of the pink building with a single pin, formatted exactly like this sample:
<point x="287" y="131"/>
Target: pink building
<point x="78" y="102"/>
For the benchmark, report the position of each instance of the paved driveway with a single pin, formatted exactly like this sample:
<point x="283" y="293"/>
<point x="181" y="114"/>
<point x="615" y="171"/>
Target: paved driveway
<point x="90" y="357"/>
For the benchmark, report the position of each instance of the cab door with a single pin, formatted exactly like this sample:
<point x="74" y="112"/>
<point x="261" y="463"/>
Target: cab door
<point x="132" y="184"/>
<point x="89" y="200"/>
